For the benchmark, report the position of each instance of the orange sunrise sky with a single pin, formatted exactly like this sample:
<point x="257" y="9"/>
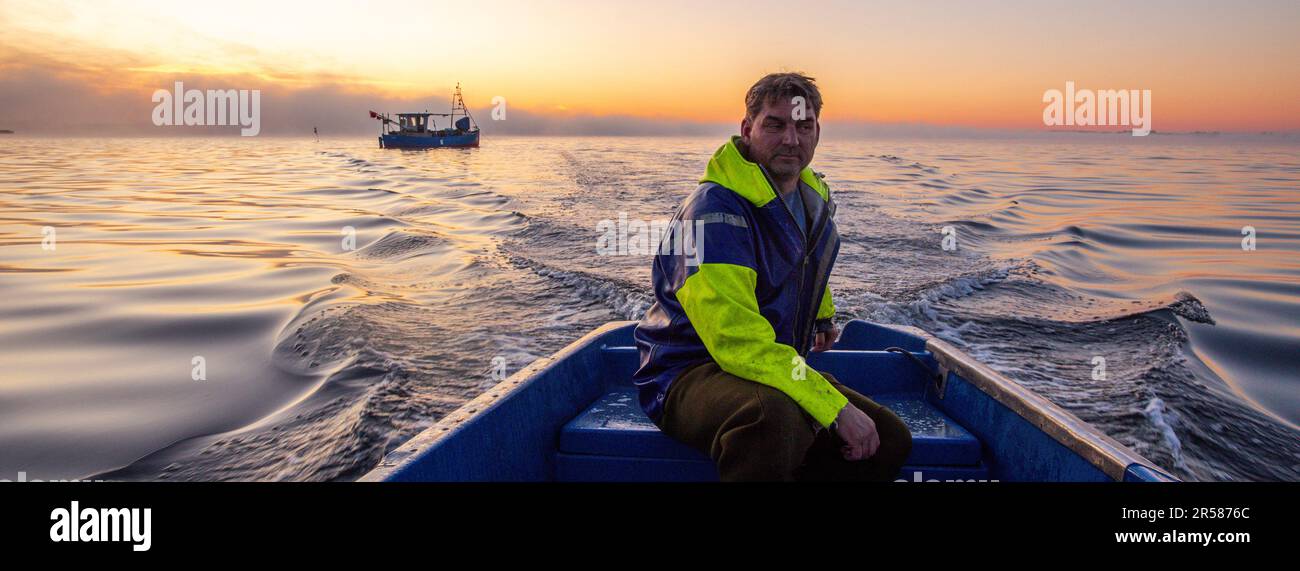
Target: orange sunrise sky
<point x="1228" y="66"/>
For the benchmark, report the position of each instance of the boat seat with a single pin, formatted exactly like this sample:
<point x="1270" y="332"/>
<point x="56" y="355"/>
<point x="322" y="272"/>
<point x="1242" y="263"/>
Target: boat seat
<point x="613" y="434"/>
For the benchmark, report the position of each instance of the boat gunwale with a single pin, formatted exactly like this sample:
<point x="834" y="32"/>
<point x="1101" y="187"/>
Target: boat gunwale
<point x="409" y="452"/>
<point x="1110" y="456"/>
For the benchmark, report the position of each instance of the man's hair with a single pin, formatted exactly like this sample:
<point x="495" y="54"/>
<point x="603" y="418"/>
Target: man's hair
<point x="782" y="86"/>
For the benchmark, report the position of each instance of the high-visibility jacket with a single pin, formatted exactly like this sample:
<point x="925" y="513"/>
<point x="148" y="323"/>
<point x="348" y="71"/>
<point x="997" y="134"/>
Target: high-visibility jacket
<point x="752" y="293"/>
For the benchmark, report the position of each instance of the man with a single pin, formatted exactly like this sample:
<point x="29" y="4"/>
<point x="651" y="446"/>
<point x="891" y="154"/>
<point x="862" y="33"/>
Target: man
<point x="722" y="347"/>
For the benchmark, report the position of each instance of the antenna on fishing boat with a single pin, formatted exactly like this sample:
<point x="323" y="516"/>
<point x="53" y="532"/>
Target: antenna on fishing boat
<point x="458" y="102"/>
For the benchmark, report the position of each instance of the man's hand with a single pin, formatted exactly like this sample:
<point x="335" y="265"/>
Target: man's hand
<point x="826" y="339"/>
<point x="859" y="433"/>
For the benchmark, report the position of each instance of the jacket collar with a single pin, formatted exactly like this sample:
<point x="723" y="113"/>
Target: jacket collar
<point x="731" y="169"/>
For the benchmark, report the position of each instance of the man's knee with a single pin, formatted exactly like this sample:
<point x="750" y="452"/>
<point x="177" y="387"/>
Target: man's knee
<point x="781" y="412"/>
<point x="895" y="436"/>
<point x="767" y="441"/>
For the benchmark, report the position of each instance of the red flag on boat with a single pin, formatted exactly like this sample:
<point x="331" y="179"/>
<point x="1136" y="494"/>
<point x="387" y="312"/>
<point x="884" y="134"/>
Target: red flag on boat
<point x="374" y="115"/>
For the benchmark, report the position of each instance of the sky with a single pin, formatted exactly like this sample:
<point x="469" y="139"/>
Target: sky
<point x="649" y="67"/>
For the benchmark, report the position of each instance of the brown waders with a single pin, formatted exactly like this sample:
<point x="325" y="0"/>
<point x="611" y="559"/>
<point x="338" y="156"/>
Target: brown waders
<point x="754" y="432"/>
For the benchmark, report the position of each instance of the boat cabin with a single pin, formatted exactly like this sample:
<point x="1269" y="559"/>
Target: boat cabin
<point x="414" y="122"/>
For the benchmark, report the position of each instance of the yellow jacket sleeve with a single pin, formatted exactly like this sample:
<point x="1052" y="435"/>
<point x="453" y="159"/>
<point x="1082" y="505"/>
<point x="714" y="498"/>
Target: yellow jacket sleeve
<point x="719" y="300"/>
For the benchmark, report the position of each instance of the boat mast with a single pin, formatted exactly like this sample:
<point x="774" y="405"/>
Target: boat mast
<point x="458" y="99"/>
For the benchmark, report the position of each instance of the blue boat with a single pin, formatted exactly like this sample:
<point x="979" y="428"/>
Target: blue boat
<point x="420" y="131"/>
<point x="575" y="417"/>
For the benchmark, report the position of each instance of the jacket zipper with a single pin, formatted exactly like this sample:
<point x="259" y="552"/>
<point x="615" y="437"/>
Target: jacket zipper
<point x="815" y="302"/>
<point x="802" y="334"/>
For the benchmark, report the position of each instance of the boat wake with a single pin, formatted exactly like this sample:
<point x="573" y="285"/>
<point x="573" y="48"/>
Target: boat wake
<point x="465" y="266"/>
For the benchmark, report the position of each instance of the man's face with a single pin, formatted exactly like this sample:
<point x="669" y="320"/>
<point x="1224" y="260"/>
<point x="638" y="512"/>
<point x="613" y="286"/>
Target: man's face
<point x="782" y="137"/>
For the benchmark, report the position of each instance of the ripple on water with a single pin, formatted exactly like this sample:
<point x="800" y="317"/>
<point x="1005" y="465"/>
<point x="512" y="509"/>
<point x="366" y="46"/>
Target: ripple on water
<point x="320" y="358"/>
